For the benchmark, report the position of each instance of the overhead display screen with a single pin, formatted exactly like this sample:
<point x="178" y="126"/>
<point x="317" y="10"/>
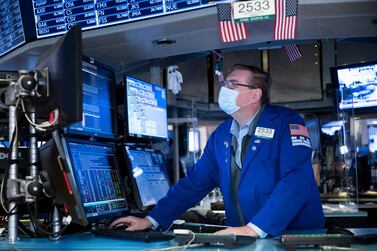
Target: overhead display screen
<point x="54" y="17"/>
<point x="11" y="29"/>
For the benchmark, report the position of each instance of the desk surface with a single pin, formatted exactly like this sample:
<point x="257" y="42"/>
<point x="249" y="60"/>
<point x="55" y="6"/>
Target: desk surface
<point x="87" y="241"/>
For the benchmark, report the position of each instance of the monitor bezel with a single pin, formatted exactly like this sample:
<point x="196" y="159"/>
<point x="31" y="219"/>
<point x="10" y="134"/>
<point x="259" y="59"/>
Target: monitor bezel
<point x="56" y="156"/>
<point x="128" y="166"/>
<point x="72" y="179"/>
<point x="110" y="73"/>
<point x="337" y="96"/>
<point x="137" y="137"/>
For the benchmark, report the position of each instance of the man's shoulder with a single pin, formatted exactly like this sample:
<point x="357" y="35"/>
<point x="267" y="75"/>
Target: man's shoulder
<point x="281" y="112"/>
<point x="225" y="125"/>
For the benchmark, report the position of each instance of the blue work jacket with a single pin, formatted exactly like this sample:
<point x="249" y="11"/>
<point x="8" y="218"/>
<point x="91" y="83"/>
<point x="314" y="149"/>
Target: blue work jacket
<point x="277" y="190"/>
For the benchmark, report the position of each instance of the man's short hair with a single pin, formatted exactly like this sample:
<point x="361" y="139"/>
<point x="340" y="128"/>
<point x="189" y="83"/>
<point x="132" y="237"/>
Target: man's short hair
<point x="260" y="79"/>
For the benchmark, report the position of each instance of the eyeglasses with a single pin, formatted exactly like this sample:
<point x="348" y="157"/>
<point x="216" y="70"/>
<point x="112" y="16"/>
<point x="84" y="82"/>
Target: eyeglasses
<point x="233" y="84"/>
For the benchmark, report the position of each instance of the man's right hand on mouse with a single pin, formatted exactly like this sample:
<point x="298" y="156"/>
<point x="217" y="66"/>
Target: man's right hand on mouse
<point x="133" y="223"/>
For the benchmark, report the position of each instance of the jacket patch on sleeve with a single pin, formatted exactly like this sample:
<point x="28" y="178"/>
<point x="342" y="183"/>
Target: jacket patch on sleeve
<point x="298" y="130"/>
<point x="301" y="141"/>
<point x="299" y="135"/>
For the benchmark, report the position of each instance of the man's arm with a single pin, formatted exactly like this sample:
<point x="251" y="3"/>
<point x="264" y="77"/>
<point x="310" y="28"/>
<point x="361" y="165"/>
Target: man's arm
<point x="188" y="191"/>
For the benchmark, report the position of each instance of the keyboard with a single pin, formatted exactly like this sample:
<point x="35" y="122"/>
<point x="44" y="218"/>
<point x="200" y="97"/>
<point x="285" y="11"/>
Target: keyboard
<point x="145" y="236"/>
<point x="228" y="241"/>
<point x="292" y="241"/>
<point x="198" y="227"/>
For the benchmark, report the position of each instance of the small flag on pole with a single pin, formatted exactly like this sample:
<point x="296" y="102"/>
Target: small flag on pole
<point x="293" y="52"/>
<point x="285" y="19"/>
<point x="230" y="31"/>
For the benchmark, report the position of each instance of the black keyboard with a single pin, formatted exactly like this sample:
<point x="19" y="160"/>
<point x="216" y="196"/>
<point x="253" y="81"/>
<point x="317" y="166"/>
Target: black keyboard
<point x="198" y="227"/>
<point x="228" y="241"/>
<point x="292" y="241"/>
<point x="145" y="236"/>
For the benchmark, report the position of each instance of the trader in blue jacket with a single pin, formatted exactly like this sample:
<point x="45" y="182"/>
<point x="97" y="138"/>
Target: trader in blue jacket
<point x="261" y="161"/>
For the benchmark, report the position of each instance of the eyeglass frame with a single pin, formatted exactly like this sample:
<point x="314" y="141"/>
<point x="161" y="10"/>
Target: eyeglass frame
<point x="234" y="84"/>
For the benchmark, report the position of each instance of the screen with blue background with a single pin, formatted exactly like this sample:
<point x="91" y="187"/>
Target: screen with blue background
<point x="97" y="178"/>
<point x="149" y="172"/>
<point x="99" y="114"/>
<point x="54" y="17"/>
<point x="357" y="85"/>
<point x="11" y="27"/>
<point x="146" y="109"/>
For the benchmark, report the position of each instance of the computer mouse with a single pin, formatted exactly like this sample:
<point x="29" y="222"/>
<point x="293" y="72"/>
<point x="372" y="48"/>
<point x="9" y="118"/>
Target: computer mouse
<point x="339" y="230"/>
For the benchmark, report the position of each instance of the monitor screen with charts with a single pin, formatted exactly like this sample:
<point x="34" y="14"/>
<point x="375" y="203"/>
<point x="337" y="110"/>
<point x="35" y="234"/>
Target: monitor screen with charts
<point x="146" y="115"/>
<point x="147" y="171"/>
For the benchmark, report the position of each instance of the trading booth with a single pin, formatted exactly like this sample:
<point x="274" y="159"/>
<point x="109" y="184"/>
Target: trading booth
<point x="106" y="104"/>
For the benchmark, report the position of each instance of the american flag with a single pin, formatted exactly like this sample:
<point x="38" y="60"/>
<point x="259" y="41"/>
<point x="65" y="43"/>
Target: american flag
<point x="229" y="30"/>
<point x="293" y="52"/>
<point x="285" y="19"/>
<point x="298" y="130"/>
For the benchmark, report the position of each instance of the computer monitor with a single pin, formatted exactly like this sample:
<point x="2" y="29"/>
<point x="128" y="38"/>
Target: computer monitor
<point x="64" y="89"/>
<point x="84" y="177"/>
<point x="357" y="85"/>
<point x="99" y="102"/>
<point x="147" y="171"/>
<point x="145" y="110"/>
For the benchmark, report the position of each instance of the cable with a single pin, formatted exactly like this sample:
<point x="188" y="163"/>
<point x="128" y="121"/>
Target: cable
<point x="11" y="245"/>
<point x="42" y="126"/>
<point x="178" y="247"/>
<point x="42" y="228"/>
<point x="189" y="243"/>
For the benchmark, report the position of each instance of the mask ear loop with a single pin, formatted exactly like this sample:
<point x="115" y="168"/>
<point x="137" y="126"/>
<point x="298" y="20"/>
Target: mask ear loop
<point x="251" y="102"/>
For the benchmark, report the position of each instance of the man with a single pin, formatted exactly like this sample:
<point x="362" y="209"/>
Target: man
<point x="260" y="159"/>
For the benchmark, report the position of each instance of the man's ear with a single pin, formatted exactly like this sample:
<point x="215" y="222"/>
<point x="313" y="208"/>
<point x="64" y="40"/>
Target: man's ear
<point x="256" y="96"/>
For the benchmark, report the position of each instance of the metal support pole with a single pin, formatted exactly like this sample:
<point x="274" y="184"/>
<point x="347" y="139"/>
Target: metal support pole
<point x="176" y="148"/>
<point x="12" y="187"/>
<point x="33" y="148"/>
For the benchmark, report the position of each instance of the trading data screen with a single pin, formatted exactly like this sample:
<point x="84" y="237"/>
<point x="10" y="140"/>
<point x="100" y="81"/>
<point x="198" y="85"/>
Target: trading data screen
<point x="98" y="104"/>
<point x="11" y="28"/>
<point x="146" y="109"/>
<point x="149" y="173"/>
<point x="98" y="179"/>
<point x="54" y="17"/>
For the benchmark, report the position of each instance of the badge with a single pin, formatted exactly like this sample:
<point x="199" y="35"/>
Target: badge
<point x="263" y="132"/>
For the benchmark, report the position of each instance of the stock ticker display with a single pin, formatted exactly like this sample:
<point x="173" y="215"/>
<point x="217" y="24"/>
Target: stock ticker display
<point x="97" y="178"/>
<point x="54" y="17"/>
<point x="11" y="28"/>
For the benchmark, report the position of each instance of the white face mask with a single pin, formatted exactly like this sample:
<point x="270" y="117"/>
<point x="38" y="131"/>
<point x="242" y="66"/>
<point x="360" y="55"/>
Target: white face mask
<point x="228" y="100"/>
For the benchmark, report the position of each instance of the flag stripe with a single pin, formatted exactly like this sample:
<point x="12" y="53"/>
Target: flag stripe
<point x="285" y="19"/>
<point x="293" y="52"/>
<point x="229" y="30"/>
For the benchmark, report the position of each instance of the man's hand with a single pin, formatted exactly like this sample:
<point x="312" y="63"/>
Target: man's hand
<point x="133" y="223"/>
<point x="245" y="230"/>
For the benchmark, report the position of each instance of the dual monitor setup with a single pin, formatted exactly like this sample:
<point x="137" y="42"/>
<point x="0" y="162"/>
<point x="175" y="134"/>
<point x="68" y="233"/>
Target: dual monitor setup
<point x="86" y="177"/>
